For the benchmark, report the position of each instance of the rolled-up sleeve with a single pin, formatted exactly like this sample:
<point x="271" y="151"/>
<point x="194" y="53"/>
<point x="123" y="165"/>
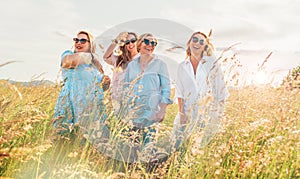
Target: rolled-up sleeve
<point x="65" y="53"/>
<point x="179" y="84"/>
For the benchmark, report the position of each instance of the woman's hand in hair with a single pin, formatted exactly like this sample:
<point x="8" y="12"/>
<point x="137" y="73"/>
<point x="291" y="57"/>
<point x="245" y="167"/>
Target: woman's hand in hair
<point x="122" y="36"/>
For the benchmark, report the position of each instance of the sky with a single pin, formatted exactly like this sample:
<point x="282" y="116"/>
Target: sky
<point x="35" y="33"/>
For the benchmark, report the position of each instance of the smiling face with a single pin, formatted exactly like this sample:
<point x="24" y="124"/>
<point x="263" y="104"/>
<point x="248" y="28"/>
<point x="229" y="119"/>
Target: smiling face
<point x="81" y="46"/>
<point x="148" y="45"/>
<point x="130" y="43"/>
<point x="197" y="45"/>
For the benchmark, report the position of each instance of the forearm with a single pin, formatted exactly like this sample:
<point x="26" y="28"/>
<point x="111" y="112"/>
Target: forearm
<point x="182" y="114"/>
<point x="69" y="61"/>
<point x="180" y="105"/>
<point x="72" y="61"/>
<point x="163" y="107"/>
<point x="108" y="54"/>
<point x="160" y="115"/>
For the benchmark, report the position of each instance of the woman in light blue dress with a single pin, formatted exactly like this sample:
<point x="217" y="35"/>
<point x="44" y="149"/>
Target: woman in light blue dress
<point x="80" y="101"/>
<point x="147" y="88"/>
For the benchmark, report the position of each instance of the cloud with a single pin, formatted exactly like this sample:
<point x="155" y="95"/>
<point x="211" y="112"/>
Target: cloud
<point x="36" y="32"/>
<point x="28" y="33"/>
<point x="258" y="25"/>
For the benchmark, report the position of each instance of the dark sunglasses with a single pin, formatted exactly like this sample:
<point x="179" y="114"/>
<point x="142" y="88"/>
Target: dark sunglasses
<point x="82" y="41"/>
<point x="147" y="42"/>
<point x="128" y="41"/>
<point x="195" y="40"/>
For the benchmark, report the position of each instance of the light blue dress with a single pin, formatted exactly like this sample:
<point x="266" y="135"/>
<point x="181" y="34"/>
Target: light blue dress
<point x="81" y="98"/>
<point x="144" y="91"/>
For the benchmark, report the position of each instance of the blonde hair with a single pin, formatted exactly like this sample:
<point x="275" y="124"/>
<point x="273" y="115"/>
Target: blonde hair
<point x="141" y="39"/>
<point x="91" y="39"/>
<point x="92" y="50"/>
<point x="209" y="48"/>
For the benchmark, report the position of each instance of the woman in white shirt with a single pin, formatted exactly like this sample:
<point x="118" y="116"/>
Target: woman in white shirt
<point x="200" y="87"/>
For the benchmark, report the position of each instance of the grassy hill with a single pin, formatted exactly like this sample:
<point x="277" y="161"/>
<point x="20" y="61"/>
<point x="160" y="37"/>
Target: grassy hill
<point x="260" y="139"/>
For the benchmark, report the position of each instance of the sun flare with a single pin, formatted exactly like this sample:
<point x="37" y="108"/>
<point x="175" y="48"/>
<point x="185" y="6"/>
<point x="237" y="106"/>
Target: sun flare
<point x="260" y="77"/>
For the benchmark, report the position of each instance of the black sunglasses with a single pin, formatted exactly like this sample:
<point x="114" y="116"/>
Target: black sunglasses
<point x="147" y="42"/>
<point x="196" y="39"/>
<point x="133" y="40"/>
<point x="82" y="41"/>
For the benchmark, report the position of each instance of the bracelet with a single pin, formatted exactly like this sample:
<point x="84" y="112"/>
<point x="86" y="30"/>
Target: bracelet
<point x="114" y="41"/>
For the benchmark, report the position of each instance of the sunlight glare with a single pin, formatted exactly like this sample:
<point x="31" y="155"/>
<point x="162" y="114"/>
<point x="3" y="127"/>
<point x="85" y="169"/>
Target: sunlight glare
<point x="260" y="78"/>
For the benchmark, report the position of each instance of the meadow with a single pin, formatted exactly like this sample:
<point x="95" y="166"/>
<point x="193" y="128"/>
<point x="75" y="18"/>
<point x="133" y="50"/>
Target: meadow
<point x="260" y="138"/>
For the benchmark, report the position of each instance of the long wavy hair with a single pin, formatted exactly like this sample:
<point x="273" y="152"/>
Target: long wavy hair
<point x="125" y="57"/>
<point x="209" y="48"/>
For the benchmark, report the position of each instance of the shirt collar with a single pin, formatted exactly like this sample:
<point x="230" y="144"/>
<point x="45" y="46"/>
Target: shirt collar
<point x="188" y="60"/>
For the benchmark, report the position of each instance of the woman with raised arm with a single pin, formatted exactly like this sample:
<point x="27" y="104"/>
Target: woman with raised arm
<point x="81" y="98"/>
<point x="122" y="50"/>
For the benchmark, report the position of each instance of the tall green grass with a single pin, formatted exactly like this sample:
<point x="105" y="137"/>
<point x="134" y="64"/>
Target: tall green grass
<point x="260" y="139"/>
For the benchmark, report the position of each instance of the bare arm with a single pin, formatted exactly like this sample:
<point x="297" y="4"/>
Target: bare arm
<point x="108" y="54"/>
<point x="183" y="118"/>
<point x="70" y="61"/>
<point x="73" y="60"/>
<point x="180" y="105"/>
<point x="160" y="115"/>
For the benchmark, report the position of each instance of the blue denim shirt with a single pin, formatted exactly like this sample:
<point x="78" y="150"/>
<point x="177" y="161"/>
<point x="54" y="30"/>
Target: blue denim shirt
<point x="146" y="90"/>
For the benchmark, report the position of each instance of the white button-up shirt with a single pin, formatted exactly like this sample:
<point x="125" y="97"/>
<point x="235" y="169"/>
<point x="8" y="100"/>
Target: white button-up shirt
<point x="192" y="88"/>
